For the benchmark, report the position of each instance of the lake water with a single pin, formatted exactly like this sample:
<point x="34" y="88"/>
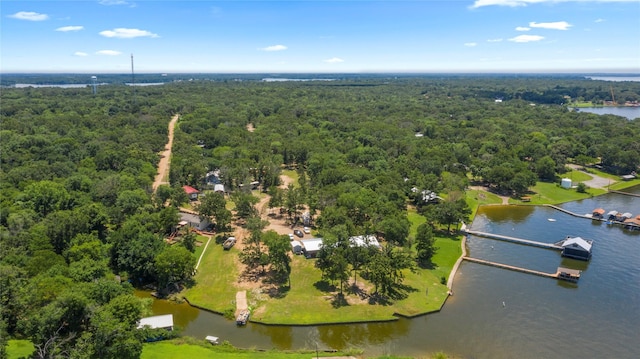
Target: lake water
<point x="629" y="112"/>
<point x="598" y="317"/>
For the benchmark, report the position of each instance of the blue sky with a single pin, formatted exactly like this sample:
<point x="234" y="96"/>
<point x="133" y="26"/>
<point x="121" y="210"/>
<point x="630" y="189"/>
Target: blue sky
<point x="320" y="36"/>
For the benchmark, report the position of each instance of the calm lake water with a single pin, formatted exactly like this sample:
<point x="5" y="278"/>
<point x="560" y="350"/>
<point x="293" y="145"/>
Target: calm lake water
<point x="628" y="111"/>
<point x="599" y="317"/>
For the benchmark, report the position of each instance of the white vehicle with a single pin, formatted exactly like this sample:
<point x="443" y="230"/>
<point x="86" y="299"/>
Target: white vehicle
<point x="291" y="237"/>
<point x="306" y="230"/>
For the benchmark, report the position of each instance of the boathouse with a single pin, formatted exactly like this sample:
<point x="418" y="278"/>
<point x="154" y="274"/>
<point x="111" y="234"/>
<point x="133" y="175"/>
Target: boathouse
<point x="632" y="223"/>
<point x="571" y="275"/>
<point x="157" y="322"/>
<point x="598" y="213"/>
<point x="611" y="216"/>
<point x="577" y="248"/>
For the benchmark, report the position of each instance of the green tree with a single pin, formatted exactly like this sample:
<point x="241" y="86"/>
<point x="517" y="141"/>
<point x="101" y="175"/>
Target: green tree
<point x="174" y="264"/>
<point x="425" y="244"/>
<point x="546" y="169"/>
<point x="279" y="259"/>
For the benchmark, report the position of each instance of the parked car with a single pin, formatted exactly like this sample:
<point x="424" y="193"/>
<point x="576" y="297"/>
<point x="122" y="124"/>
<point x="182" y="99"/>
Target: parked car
<point x="229" y="243"/>
<point x="291" y="237"/>
<point x="298" y="233"/>
<point x="306" y="230"/>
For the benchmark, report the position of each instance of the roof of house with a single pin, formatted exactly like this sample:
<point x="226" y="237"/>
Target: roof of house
<point x="360" y="241"/>
<point x="190" y="190"/>
<point x="312" y="244"/>
<point x="577" y="242"/>
<point x="295" y="244"/>
<point x="158" y="321"/>
<point x="188" y="217"/>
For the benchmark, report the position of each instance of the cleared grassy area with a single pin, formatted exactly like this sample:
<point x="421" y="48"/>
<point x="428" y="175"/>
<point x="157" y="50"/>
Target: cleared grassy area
<point x="293" y="175"/>
<point x="552" y="193"/>
<point x="476" y="198"/>
<point x="19" y="349"/>
<point x="215" y="280"/>
<point x="192" y="349"/>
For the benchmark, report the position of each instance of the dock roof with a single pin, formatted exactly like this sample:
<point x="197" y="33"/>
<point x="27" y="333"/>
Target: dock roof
<point x="158" y="321"/>
<point x="577" y="242"/>
<point x="599" y="210"/>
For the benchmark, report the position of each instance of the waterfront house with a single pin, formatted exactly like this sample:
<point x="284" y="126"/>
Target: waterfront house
<point x="157" y="322"/>
<point x="311" y="247"/>
<point x="577" y="248"/>
<point x="191" y="192"/>
<point x="598" y="213"/>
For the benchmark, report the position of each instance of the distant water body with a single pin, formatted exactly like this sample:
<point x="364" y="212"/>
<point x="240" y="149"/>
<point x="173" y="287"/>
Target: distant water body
<point x="629" y="112"/>
<point x="615" y="78"/>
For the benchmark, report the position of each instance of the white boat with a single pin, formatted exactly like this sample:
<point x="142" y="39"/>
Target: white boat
<point x="213" y="340"/>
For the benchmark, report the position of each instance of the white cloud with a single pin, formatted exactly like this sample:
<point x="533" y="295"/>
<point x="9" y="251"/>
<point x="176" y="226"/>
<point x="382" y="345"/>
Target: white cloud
<point x="124" y="33"/>
<point x="470" y="44"/>
<point x="70" y="28"/>
<point x="29" y="15"/>
<point x="558" y="25"/>
<point x="80" y="53"/>
<point x="523" y="28"/>
<point x="514" y="3"/>
<point x="114" y="2"/>
<point x="494" y="40"/>
<point x="334" y="60"/>
<point x="108" y="52"/>
<point x="600" y="20"/>
<point x="526" y="38"/>
<point x="274" y="48"/>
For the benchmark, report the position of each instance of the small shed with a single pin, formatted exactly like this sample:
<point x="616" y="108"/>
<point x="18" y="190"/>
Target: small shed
<point x="566" y="183"/>
<point x="296" y="247"/>
<point x="157" y="322"/>
<point x="598" y="213"/>
<point x="191" y="192"/>
<point x="218" y="187"/>
<point x="577" y="248"/>
<point x="311" y="247"/>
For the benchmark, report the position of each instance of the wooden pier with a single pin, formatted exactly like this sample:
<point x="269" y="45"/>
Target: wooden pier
<point x="625" y="193"/>
<point x="561" y="273"/>
<point x="514" y="240"/>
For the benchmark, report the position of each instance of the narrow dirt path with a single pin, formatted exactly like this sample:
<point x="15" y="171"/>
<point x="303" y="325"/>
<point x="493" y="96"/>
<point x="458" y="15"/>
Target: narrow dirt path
<point x="162" y="176"/>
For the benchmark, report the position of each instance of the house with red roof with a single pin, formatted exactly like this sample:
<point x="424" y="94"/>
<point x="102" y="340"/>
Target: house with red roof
<point x="191" y="192"/>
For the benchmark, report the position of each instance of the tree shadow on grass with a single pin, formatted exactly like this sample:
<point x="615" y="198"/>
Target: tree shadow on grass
<point x="339" y="300"/>
<point x="324" y="286"/>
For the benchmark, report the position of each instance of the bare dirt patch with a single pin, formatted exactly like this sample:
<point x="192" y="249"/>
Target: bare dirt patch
<point x="250" y="127"/>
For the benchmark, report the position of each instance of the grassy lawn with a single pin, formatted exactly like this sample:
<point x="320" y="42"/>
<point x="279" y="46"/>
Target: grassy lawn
<point x="215" y="280"/>
<point x="19" y="349"/>
<point x="215" y="289"/>
<point x="293" y="175"/>
<point x="476" y="198"/>
<point x="552" y="193"/>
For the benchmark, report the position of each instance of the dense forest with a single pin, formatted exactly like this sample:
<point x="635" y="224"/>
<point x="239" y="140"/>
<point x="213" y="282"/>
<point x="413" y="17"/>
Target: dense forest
<point x="80" y="225"/>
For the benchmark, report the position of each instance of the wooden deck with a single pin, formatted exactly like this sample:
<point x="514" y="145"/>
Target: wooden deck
<point x="557" y="275"/>
<point x="514" y="240"/>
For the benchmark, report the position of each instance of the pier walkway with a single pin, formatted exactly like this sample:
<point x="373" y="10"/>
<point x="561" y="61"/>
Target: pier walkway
<point x="513" y="268"/>
<point x="625" y="193"/>
<point x="514" y="239"/>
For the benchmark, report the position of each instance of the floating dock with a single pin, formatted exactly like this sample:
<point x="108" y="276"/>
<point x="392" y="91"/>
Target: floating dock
<point x="514" y="240"/>
<point x="571" y="275"/>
